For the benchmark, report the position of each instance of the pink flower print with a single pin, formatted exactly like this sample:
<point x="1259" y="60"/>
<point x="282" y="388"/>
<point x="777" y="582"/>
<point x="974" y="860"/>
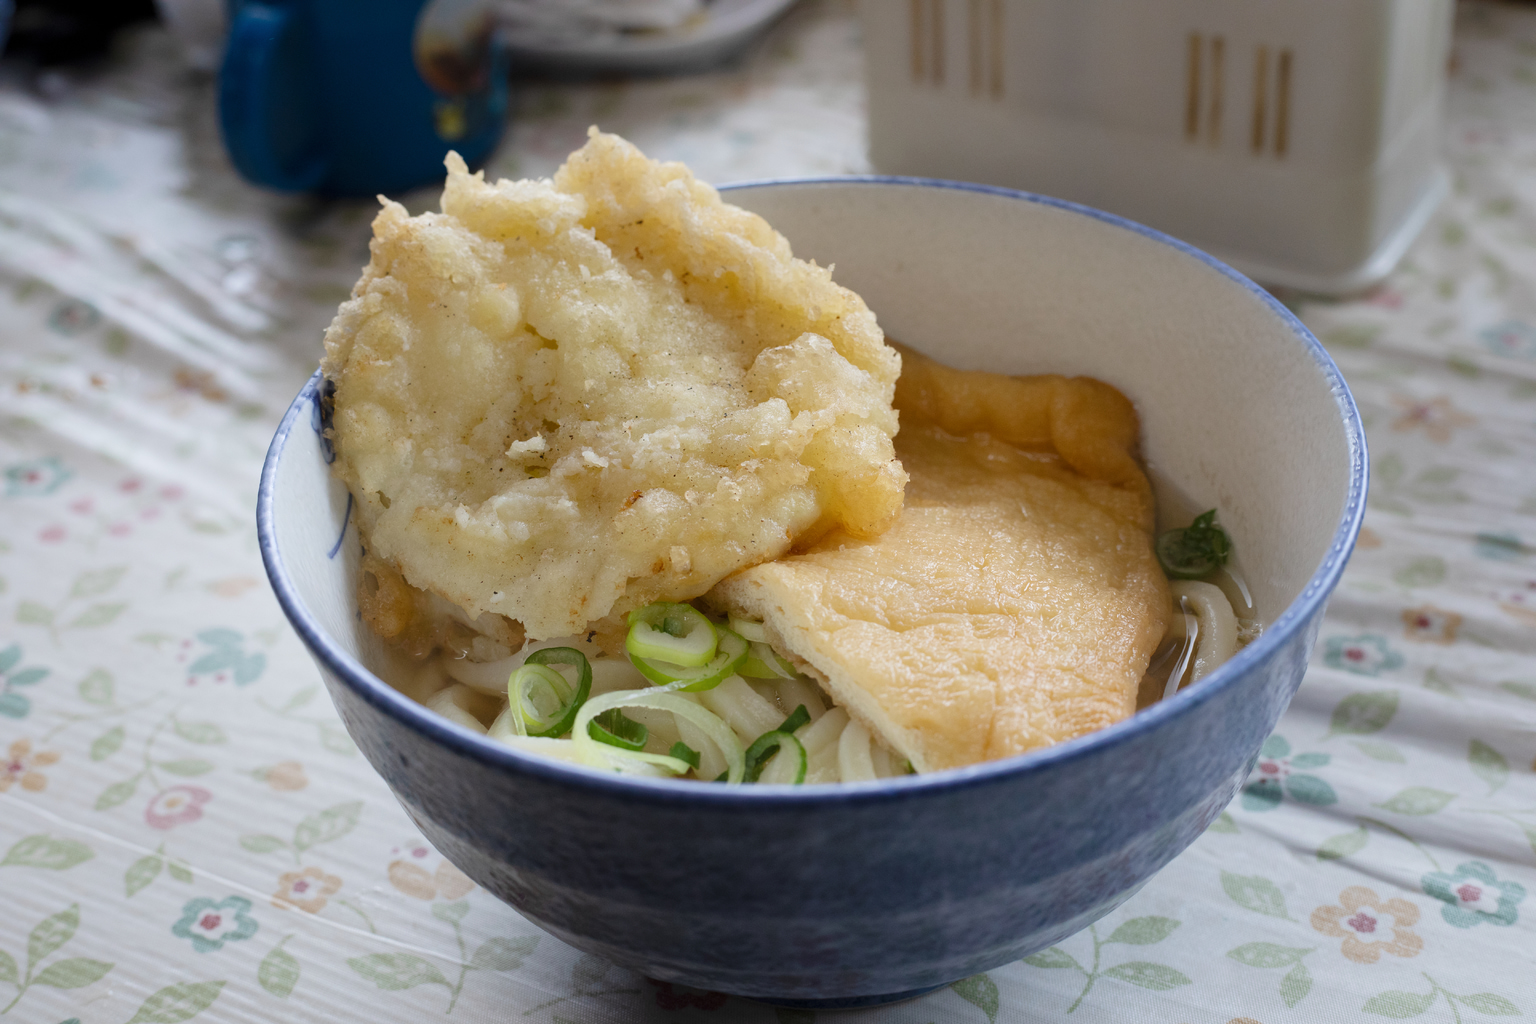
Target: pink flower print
<point x="1520" y="602"/>
<point x="1428" y="624"/>
<point x="82" y="506"/>
<point x="1438" y="418"/>
<point x="119" y="529"/>
<point x="171" y="492"/>
<point x="1364" y="921"/>
<point x="52" y="534"/>
<point x="179" y="805"/>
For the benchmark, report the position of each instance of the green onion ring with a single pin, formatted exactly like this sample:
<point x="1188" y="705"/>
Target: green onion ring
<point x="597" y="755"/>
<point x="536" y="668"/>
<point x="763" y="662"/>
<point x="732" y="652"/>
<point x="766" y="745"/>
<point x="678" y="634"/>
<point x="616" y="730"/>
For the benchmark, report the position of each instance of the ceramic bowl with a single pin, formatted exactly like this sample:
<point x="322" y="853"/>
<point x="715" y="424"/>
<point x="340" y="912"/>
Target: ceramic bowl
<point x="858" y="894"/>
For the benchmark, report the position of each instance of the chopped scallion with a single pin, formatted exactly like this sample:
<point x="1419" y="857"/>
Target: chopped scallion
<point x="677" y="634"/>
<point x="796" y="719"/>
<point x="1195" y="551"/>
<point x="683" y="752"/>
<point x="786" y="747"/>
<point x="731" y="652"/>
<point x="615" y="729"/>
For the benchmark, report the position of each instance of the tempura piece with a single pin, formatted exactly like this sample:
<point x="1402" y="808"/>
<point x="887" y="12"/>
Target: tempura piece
<point x="558" y="401"/>
<point x="1017" y="600"/>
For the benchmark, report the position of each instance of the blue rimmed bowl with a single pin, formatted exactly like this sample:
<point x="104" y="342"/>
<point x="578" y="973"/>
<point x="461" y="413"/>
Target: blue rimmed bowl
<point x="859" y="894"/>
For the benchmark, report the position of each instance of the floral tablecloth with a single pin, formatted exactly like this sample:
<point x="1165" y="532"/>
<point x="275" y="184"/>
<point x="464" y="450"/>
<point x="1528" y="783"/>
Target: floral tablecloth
<point x="187" y="832"/>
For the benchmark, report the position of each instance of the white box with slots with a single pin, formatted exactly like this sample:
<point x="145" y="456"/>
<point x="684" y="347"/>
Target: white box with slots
<point x="1298" y="141"/>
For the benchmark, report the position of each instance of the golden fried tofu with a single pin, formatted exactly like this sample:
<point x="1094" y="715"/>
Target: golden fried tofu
<point x="1017" y="600"/>
<point x="560" y="400"/>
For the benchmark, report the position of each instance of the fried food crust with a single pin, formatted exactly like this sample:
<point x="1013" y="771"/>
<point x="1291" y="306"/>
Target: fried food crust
<point x="558" y="401"/>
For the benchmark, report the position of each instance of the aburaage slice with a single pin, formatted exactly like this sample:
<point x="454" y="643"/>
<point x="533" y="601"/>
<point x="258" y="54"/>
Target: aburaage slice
<point x="1017" y="600"/>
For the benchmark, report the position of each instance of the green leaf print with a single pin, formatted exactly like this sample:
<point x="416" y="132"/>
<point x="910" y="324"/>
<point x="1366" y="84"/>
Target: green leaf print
<point x="1378" y="751"/>
<point x="1156" y="977"/>
<point x="1343" y="845"/>
<point x="453" y="913"/>
<point x="97" y="687"/>
<point x="1295" y="985"/>
<point x="279" y="970"/>
<point x="76" y="972"/>
<point x="328" y="825"/>
<point x="187" y="766"/>
<point x="261" y="843"/>
<point x="206" y="733"/>
<point x="1268" y="954"/>
<point x="1143" y="931"/>
<point x="1421" y="572"/>
<point x="1417" y="800"/>
<point x="142" y="872"/>
<point x="1256" y="893"/>
<point x="1224" y="824"/>
<point x="51" y="933"/>
<point x="178" y="870"/>
<point x="9" y="973"/>
<point x="498" y="954"/>
<point x="107" y="744"/>
<point x="90" y="584"/>
<point x="42" y="851"/>
<point x="117" y="793"/>
<point x="176" y="1003"/>
<point x="1491" y="1004"/>
<point x="1399" y="1004"/>
<point x="1360" y="714"/>
<point x="1489" y="765"/>
<point x="9" y="658"/>
<point x="396" y="971"/>
<point x="1526" y="690"/>
<point x="980" y="991"/>
<point x="96" y="615"/>
<point x="1053" y="958"/>
<point x="33" y="614"/>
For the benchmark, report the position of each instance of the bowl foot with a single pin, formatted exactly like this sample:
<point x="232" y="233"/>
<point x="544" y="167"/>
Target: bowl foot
<point x="851" y="1003"/>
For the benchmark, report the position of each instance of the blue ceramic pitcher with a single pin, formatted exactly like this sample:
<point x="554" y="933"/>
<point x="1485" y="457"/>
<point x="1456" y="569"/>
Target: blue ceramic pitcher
<point x="357" y="97"/>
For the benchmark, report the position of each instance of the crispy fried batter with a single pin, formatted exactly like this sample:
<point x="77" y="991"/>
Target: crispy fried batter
<point x="557" y="401"/>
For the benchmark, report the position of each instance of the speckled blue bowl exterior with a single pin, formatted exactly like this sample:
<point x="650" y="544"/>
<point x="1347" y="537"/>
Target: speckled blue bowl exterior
<point x="825" y="896"/>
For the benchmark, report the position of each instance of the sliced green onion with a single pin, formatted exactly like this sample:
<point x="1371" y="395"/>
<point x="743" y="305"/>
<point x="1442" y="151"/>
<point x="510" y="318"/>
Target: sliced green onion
<point x="603" y="756"/>
<point x="728" y="658"/>
<point x="789" y="750"/>
<point x="613" y="728"/>
<point x="1195" y="551"/>
<point x="683" y="752"/>
<point x="749" y="628"/>
<point x="678" y="634"/>
<point x="541" y="698"/>
<point x="763" y="662"/>
<point x="796" y="719"/>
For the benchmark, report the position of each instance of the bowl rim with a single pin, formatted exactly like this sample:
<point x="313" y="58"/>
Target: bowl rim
<point x="374" y="691"/>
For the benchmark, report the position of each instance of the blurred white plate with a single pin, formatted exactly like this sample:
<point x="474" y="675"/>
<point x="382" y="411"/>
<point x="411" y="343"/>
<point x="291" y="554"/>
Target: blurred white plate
<point x="727" y="27"/>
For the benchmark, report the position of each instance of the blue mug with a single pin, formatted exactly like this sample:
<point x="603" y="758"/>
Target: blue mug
<point x="357" y="97"/>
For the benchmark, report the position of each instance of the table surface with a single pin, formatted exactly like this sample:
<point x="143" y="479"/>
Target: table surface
<point x="186" y="830"/>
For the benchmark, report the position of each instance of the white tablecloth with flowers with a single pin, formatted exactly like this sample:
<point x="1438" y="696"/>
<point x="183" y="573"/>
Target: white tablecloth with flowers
<point x="186" y="832"/>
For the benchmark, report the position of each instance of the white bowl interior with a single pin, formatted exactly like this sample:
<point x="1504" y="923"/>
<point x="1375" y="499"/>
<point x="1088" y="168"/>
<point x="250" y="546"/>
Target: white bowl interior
<point x="1237" y="412"/>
